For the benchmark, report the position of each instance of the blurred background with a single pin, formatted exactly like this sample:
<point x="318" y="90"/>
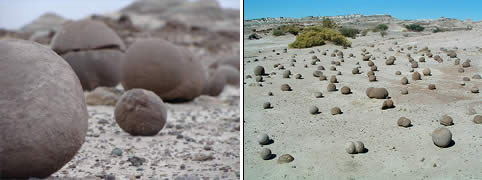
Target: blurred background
<point x="209" y="28"/>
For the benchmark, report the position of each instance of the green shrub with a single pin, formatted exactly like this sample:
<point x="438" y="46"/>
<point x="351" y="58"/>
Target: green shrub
<point x="315" y="36"/>
<point x="380" y="27"/>
<point x="278" y="32"/>
<point x="349" y="32"/>
<point x="414" y="27"/>
<point x="290" y="29"/>
<point x="328" y="23"/>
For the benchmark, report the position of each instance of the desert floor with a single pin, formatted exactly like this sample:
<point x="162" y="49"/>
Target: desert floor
<point x="199" y="141"/>
<point x="317" y="142"/>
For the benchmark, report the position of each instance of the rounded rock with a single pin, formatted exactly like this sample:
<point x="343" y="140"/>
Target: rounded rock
<point x="404" y="122"/>
<point x="442" y="137"/>
<point x="263" y="139"/>
<point x="350" y="148"/>
<point x="140" y="112"/>
<point x="265" y="153"/>
<point x="446" y="120"/>
<point x="359" y="147"/>
<point x="43" y="111"/>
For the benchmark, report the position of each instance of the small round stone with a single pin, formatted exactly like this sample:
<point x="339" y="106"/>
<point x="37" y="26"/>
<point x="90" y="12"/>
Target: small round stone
<point x="441" y="137"/>
<point x="265" y="153"/>
<point x="263" y="139"/>
<point x="350" y="148"/>
<point x="318" y="94"/>
<point x="477" y="119"/>
<point x="335" y="111"/>
<point x="359" y="147"/>
<point x="431" y="86"/>
<point x="266" y="105"/>
<point x="446" y="120"/>
<point x="345" y="90"/>
<point x="474" y="90"/>
<point x="404" y="122"/>
<point x="314" y="110"/>
<point x="331" y="87"/>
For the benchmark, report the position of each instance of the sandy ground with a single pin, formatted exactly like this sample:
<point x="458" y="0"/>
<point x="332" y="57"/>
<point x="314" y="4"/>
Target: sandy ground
<point x="317" y="141"/>
<point x="200" y="141"/>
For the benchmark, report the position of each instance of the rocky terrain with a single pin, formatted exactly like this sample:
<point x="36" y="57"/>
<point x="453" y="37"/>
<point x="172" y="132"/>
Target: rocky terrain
<point x="317" y="140"/>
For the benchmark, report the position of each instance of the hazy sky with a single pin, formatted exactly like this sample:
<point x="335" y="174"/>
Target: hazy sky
<point x="406" y="9"/>
<point x="16" y="13"/>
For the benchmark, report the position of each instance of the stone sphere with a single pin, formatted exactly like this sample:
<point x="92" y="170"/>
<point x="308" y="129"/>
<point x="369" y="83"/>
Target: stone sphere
<point x="431" y="86"/>
<point x="159" y="66"/>
<point x="477" y="119"/>
<point x="404" y="122"/>
<point x="474" y="90"/>
<point x="263" y="139"/>
<point x="215" y="83"/>
<point x="314" y="110"/>
<point x="140" y="112"/>
<point x="335" y="111"/>
<point x="318" y="94"/>
<point x="416" y="76"/>
<point x="259" y="71"/>
<point x="265" y="153"/>
<point x="331" y="87"/>
<point x="372" y="78"/>
<point x="285" y="87"/>
<point x="350" y="148"/>
<point x="427" y="72"/>
<point x="398" y="73"/>
<point x="345" y="90"/>
<point x="377" y="93"/>
<point x="43" y="112"/>
<point x="404" y="91"/>
<point x="387" y="104"/>
<point x="93" y="50"/>
<point x="359" y="147"/>
<point x="266" y="105"/>
<point x="446" y="120"/>
<point x="442" y="137"/>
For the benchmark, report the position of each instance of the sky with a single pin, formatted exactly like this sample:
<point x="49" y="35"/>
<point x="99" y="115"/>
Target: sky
<point x="16" y="13"/>
<point x="406" y="9"/>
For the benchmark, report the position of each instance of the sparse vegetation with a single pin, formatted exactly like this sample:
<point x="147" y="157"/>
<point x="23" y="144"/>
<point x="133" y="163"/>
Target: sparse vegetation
<point x="380" y="28"/>
<point x="349" y="32"/>
<point x="414" y="27"/>
<point x="292" y="29"/>
<point x="278" y="32"/>
<point x="315" y="36"/>
<point x="328" y="23"/>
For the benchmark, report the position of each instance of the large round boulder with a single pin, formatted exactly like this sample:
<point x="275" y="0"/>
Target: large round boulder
<point x="159" y="66"/>
<point x="43" y="115"/>
<point x="93" y="50"/>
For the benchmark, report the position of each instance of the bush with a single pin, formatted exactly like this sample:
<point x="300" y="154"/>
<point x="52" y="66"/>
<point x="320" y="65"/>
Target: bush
<point x="349" y="32"/>
<point x="414" y="27"/>
<point x="278" y="32"/>
<point x="328" y="23"/>
<point x="380" y="27"/>
<point x="290" y="29"/>
<point x="315" y="36"/>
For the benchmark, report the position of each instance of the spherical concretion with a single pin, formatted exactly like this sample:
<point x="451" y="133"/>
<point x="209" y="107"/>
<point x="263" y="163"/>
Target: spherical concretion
<point x="298" y="76"/>
<point x="355" y="71"/>
<point x="427" y="72"/>
<point x="372" y="78"/>
<point x="461" y="70"/>
<point x="335" y="111"/>
<point x="359" y="147"/>
<point x="42" y="108"/>
<point x="421" y="59"/>
<point x="259" y="71"/>
<point x="466" y="79"/>
<point x="159" y="66"/>
<point x="398" y="73"/>
<point x="370" y="63"/>
<point x="85" y="35"/>
<point x="318" y="94"/>
<point x="416" y="76"/>
<point x="317" y="73"/>
<point x="387" y="104"/>
<point x="350" y="148"/>
<point x="323" y="78"/>
<point x="331" y="87"/>
<point x="446" y="120"/>
<point x="345" y="90"/>
<point x="321" y="68"/>
<point x="477" y="119"/>
<point x="442" y="137"/>
<point x="466" y="64"/>
<point x="474" y="90"/>
<point x="457" y="61"/>
<point x="431" y="86"/>
<point x="285" y="87"/>
<point x="333" y="79"/>
<point x="265" y="153"/>
<point x="332" y="68"/>
<point x="374" y="68"/>
<point x="263" y="139"/>
<point x="286" y="74"/>
<point x="476" y="76"/>
<point x="404" y="122"/>
<point x="404" y="91"/>
<point x="314" y="110"/>
<point x="230" y="73"/>
<point x="377" y="93"/>
<point x="95" y="67"/>
<point x="266" y="105"/>
<point x="370" y="73"/>
<point x="140" y="112"/>
<point x="215" y="83"/>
